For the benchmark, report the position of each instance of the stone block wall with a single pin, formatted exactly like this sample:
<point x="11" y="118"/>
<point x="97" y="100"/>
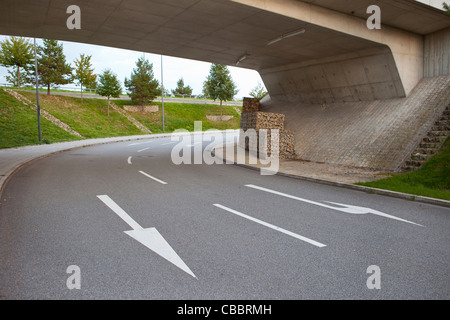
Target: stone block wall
<point x="264" y="123"/>
<point x="250" y="105"/>
<point x="153" y="108"/>
<point x="262" y="120"/>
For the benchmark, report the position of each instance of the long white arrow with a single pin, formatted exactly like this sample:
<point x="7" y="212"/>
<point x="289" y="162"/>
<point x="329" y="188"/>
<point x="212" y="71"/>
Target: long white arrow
<point x="346" y="208"/>
<point x="149" y="237"/>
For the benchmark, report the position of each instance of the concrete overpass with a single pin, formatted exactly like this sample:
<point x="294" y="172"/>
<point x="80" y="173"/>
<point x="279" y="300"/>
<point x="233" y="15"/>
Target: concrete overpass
<point x="337" y="63"/>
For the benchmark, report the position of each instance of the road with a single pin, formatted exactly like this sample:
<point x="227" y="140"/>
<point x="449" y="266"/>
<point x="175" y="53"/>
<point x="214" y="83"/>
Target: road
<point x="158" y="99"/>
<point x="122" y="221"/>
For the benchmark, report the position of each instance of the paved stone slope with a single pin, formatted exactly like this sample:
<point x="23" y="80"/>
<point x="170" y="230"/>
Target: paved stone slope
<point x="380" y="134"/>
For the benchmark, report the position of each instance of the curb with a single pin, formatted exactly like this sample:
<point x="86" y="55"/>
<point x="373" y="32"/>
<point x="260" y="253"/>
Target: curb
<point x="394" y="194"/>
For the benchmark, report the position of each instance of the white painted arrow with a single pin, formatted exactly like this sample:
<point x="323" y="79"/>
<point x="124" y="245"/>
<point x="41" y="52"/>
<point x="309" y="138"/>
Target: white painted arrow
<point x="345" y="207"/>
<point x="149" y="237"/>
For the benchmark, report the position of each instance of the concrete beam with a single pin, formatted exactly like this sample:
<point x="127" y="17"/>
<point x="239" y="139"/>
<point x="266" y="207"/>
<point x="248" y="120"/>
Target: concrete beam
<point x="406" y="47"/>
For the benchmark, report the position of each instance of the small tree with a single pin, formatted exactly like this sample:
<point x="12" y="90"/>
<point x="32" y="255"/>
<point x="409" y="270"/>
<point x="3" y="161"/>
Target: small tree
<point x="19" y="78"/>
<point x="142" y="87"/>
<point x="17" y="52"/>
<point x="446" y="7"/>
<point x="109" y="86"/>
<point x="181" y="89"/>
<point x="219" y="85"/>
<point x="84" y="73"/>
<point x="52" y="67"/>
<point x="259" y="91"/>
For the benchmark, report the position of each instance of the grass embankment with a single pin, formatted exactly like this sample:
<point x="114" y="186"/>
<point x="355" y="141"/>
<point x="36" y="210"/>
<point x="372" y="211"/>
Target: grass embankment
<point x="183" y="115"/>
<point x="90" y="118"/>
<point x="18" y="123"/>
<point x="431" y="180"/>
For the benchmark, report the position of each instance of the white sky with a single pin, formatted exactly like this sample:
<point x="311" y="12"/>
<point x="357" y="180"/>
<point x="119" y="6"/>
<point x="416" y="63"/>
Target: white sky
<point x="193" y="72"/>
<point x="122" y="62"/>
<point x="434" y="3"/>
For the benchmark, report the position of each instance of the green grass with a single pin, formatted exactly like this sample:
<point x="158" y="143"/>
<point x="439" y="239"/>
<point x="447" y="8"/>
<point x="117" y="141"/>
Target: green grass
<point x="89" y="118"/>
<point x="18" y="125"/>
<point x="43" y="90"/>
<point x="431" y="180"/>
<point x="183" y="115"/>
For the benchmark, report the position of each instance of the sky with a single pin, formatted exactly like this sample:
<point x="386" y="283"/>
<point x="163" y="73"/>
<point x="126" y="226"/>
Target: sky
<point x="122" y="62"/>
<point x="434" y="3"/>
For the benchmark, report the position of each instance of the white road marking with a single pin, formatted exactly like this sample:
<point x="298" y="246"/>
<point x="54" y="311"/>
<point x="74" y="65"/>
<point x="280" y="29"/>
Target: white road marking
<point x="193" y="144"/>
<point x="165" y="144"/>
<point x="120" y="212"/>
<point x="144" y="149"/>
<point x="129" y="160"/>
<point x="151" y="177"/>
<point x="138" y="143"/>
<point x="297" y="236"/>
<point x="149" y="237"/>
<point x="346" y="208"/>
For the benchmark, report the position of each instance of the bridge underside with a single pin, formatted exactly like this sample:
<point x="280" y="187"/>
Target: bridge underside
<point x="336" y="60"/>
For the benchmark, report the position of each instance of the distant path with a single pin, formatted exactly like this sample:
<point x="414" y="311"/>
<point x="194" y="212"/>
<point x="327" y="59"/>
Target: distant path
<point x="125" y="97"/>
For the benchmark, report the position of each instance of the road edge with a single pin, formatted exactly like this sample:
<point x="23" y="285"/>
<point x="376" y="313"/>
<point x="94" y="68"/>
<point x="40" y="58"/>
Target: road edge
<point x="370" y="190"/>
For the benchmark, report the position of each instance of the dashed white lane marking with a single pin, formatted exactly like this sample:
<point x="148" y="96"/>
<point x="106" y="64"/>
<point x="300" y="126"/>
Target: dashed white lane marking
<point x="165" y="144"/>
<point x="151" y="177"/>
<point x="297" y="236"/>
<point x="138" y="143"/>
<point x="193" y="144"/>
<point x="144" y="149"/>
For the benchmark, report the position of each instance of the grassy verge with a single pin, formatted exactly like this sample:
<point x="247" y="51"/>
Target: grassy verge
<point x="183" y="115"/>
<point x="431" y="180"/>
<point x="18" y="125"/>
<point x="89" y="118"/>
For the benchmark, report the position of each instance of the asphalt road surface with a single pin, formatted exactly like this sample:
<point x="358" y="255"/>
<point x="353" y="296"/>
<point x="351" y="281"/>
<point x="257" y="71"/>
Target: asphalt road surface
<point x="122" y="221"/>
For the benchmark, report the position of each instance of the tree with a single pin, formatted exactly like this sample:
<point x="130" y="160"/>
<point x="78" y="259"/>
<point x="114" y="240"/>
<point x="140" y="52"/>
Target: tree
<point x="108" y="85"/>
<point x="446" y="7"/>
<point x="17" y="52"/>
<point x="52" y="67"/>
<point x="258" y="92"/>
<point x="219" y="85"/>
<point x="181" y="89"/>
<point x="19" y="78"/>
<point x="84" y="73"/>
<point x="166" y="92"/>
<point x="142" y="87"/>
